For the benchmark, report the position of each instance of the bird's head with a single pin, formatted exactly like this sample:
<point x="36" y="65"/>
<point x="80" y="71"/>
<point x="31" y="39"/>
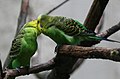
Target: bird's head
<point x="34" y="24"/>
<point x="45" y="21"/>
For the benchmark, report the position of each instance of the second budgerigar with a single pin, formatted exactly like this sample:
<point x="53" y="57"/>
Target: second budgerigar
<point x="67" y="30"/>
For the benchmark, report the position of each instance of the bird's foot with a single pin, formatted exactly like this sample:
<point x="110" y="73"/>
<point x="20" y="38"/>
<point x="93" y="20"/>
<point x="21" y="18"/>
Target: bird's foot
<point x="57" y="48"/>
<point x="18" y="69"/>
<point x="26" y="68"/>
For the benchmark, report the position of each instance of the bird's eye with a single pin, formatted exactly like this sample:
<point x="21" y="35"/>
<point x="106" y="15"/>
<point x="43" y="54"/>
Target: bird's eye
<point x="41" y="25"/>
<point x="38" y="22"/>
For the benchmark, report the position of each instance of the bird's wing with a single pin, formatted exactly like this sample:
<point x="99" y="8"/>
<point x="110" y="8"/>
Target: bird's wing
<point x="16" y="46"/>
<point x="74" y="28"/>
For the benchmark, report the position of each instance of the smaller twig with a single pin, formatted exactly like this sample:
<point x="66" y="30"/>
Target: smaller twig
<point x="110" y="31"/>
<point x="42" y="67"/>
<point x="56" y="7"/>
<point x="46" y="66"/>
<point x="90" y="52"/>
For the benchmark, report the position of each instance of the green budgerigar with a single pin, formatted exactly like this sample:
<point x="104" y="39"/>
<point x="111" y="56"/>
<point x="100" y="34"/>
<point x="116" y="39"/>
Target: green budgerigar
<point x="67" y="30"/>
<point x="23" y="46"/>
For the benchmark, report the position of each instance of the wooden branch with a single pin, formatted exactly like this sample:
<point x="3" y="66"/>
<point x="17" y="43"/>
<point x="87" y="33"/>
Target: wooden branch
<point x="23" y="15"/>
<point x="35" y="69"/>
<point x="91" y="52"/>
<point x="95" y="14"/>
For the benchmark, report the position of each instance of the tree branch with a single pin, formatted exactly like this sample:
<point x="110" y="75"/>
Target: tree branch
<point x="23" y="15"/>
<point x="91" y="52"/>
<point x="35" y="69"/>
<point x="95" y="14"/>
<point x="110" y="31"/>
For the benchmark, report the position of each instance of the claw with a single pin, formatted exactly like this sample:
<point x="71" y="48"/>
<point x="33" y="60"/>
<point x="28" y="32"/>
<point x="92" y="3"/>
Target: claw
<point x="57" y="48"/>
<point x="18" y="69"/>
<point x="22" y="67"/>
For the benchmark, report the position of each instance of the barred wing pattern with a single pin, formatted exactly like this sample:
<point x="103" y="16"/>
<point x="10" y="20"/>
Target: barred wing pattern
<point x="16" y="46"/>
<point x="72" y="27"/>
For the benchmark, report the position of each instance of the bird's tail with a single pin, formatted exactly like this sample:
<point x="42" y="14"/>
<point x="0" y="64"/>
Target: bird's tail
<point x="97" y="38"/>
<point x="106" y="39"/>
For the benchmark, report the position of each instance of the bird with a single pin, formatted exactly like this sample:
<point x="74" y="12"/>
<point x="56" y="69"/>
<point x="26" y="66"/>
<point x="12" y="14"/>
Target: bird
<point x="23" y="47"/>
<point x="63" y="30"/>
<point x="66" y="31"/>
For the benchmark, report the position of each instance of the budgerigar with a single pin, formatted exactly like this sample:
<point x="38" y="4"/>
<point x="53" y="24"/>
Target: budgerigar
<point x="66" y="30"/>
<point x="23" y="46"/>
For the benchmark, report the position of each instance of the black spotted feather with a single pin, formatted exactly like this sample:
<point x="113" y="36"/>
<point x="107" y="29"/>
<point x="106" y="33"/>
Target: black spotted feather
<point x="16" y="45"/>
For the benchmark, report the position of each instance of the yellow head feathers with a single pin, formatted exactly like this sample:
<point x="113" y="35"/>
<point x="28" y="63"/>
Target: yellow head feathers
<point x="34" y="24"/>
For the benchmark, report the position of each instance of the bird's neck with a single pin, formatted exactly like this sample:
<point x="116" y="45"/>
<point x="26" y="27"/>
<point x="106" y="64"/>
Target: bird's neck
<point x="32" y="30"/>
